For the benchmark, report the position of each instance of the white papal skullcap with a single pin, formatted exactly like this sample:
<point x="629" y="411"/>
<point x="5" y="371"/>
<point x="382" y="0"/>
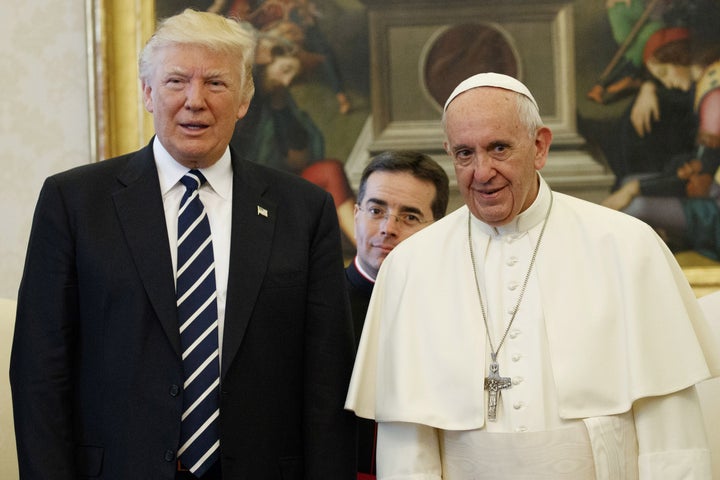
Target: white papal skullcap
<point x="490" y="79"/>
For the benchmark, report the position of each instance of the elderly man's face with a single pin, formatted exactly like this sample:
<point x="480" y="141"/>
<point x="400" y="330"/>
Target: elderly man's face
<point x="195" y="96"/>
<point x="495" y="157"/>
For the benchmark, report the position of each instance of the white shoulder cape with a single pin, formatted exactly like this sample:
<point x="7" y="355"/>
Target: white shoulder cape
<point x="622" y="322"/>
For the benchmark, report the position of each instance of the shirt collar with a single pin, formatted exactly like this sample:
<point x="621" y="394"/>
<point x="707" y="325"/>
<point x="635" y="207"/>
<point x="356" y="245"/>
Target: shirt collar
<point x="218" y="175"/>
<point x="525" y="220"/>
<point x="362" y="272"/>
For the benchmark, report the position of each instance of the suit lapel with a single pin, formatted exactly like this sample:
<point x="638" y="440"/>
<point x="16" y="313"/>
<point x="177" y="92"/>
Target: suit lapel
<point x="254" y="216"/>
<point x="142" y="217"/>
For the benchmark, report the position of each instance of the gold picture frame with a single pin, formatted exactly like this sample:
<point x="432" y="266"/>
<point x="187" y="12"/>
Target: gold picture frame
<point x="702" y="273"/>
<point x="704" y="280"/>
<point x="117" y="31"/>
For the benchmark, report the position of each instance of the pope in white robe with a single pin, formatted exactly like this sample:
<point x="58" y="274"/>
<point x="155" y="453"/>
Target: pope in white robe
<point x="598" y="337"/>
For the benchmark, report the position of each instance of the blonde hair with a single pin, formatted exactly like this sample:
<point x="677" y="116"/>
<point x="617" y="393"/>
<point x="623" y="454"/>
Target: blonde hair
<point x="215" y="32"/>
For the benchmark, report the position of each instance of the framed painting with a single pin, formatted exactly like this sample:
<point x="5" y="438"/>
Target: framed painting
<point x="373" y="75"/>
<point x="646" y="75"/>
<point x="332" y="86"/>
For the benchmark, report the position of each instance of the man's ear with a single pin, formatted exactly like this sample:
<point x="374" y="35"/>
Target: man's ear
<point x="543" y="139"/>
<point x="243" y="110"/>
<point x="147" y="96"/>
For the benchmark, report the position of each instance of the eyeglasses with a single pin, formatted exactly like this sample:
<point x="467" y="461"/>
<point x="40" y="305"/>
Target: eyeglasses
<point x="378" y="214"/>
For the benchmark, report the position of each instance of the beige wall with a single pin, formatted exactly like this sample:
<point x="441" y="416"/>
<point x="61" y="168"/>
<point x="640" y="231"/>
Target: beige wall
<point x="44" y="119"/>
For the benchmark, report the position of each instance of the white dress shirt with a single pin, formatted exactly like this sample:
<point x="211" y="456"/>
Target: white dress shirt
<point x="216" y="196"/>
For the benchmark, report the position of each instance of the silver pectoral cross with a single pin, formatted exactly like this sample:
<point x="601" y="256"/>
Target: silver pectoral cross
<point x="494" y="384"/>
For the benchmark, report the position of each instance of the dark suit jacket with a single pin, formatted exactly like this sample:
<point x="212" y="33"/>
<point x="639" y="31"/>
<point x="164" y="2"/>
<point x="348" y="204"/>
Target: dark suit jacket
<point x="96" y="369"/>
<point x="360" y="290"/>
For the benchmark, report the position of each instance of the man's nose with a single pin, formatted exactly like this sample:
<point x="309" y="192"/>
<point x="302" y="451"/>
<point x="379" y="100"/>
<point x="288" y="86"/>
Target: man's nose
<point x="194" y="97"/>
<point x="390" y="225"/>
<point x="483" y="169"/>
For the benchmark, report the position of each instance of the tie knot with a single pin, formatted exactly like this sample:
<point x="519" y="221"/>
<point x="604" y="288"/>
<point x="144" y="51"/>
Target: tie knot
<point x="193" y="179"/>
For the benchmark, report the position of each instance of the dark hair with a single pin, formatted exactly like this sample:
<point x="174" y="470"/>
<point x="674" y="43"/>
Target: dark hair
<point x="420" y="166"/>
<point x="677" y="52"/>
<point x="684" y="52"/>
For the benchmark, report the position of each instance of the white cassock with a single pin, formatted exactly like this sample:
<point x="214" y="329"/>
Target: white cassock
<point x="603" y="354"/>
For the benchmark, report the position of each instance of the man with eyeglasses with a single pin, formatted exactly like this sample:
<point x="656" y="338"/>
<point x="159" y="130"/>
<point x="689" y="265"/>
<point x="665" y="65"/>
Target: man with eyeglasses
<point x="400" y="193"/>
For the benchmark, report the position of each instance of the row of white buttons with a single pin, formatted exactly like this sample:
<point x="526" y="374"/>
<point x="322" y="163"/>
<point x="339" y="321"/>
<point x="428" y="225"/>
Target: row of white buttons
<point x="512" y="286"/>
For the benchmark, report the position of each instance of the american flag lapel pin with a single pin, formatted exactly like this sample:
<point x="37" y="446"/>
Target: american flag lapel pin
<point x="262" y="211"/>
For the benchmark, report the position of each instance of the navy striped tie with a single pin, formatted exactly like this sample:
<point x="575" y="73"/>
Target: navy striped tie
<point x="198" y="318"/>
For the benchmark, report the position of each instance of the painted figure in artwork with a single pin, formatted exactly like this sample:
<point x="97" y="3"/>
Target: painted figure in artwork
<point x="682" y="200"/>
<point x="278" y="133"/>
<point x="296" y="20"/>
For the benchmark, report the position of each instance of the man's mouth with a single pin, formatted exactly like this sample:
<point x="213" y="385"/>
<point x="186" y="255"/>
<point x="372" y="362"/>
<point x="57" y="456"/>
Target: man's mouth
<point x="385" y="247"/>
<point x="194" y="126"/>
<point x="488" y="191"/>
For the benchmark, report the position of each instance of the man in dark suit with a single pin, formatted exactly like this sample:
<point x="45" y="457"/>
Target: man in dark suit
<point x="99" y="368"/>
<point x="400" y="193"/>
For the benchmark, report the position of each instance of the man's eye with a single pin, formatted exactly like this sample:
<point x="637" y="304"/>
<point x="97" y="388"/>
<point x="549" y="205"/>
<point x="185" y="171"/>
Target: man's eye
<point x="376" y="211"/>
<point x="463" y="157"/>
<point x="174" y="83"/>
<point x="411" y="218"/>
